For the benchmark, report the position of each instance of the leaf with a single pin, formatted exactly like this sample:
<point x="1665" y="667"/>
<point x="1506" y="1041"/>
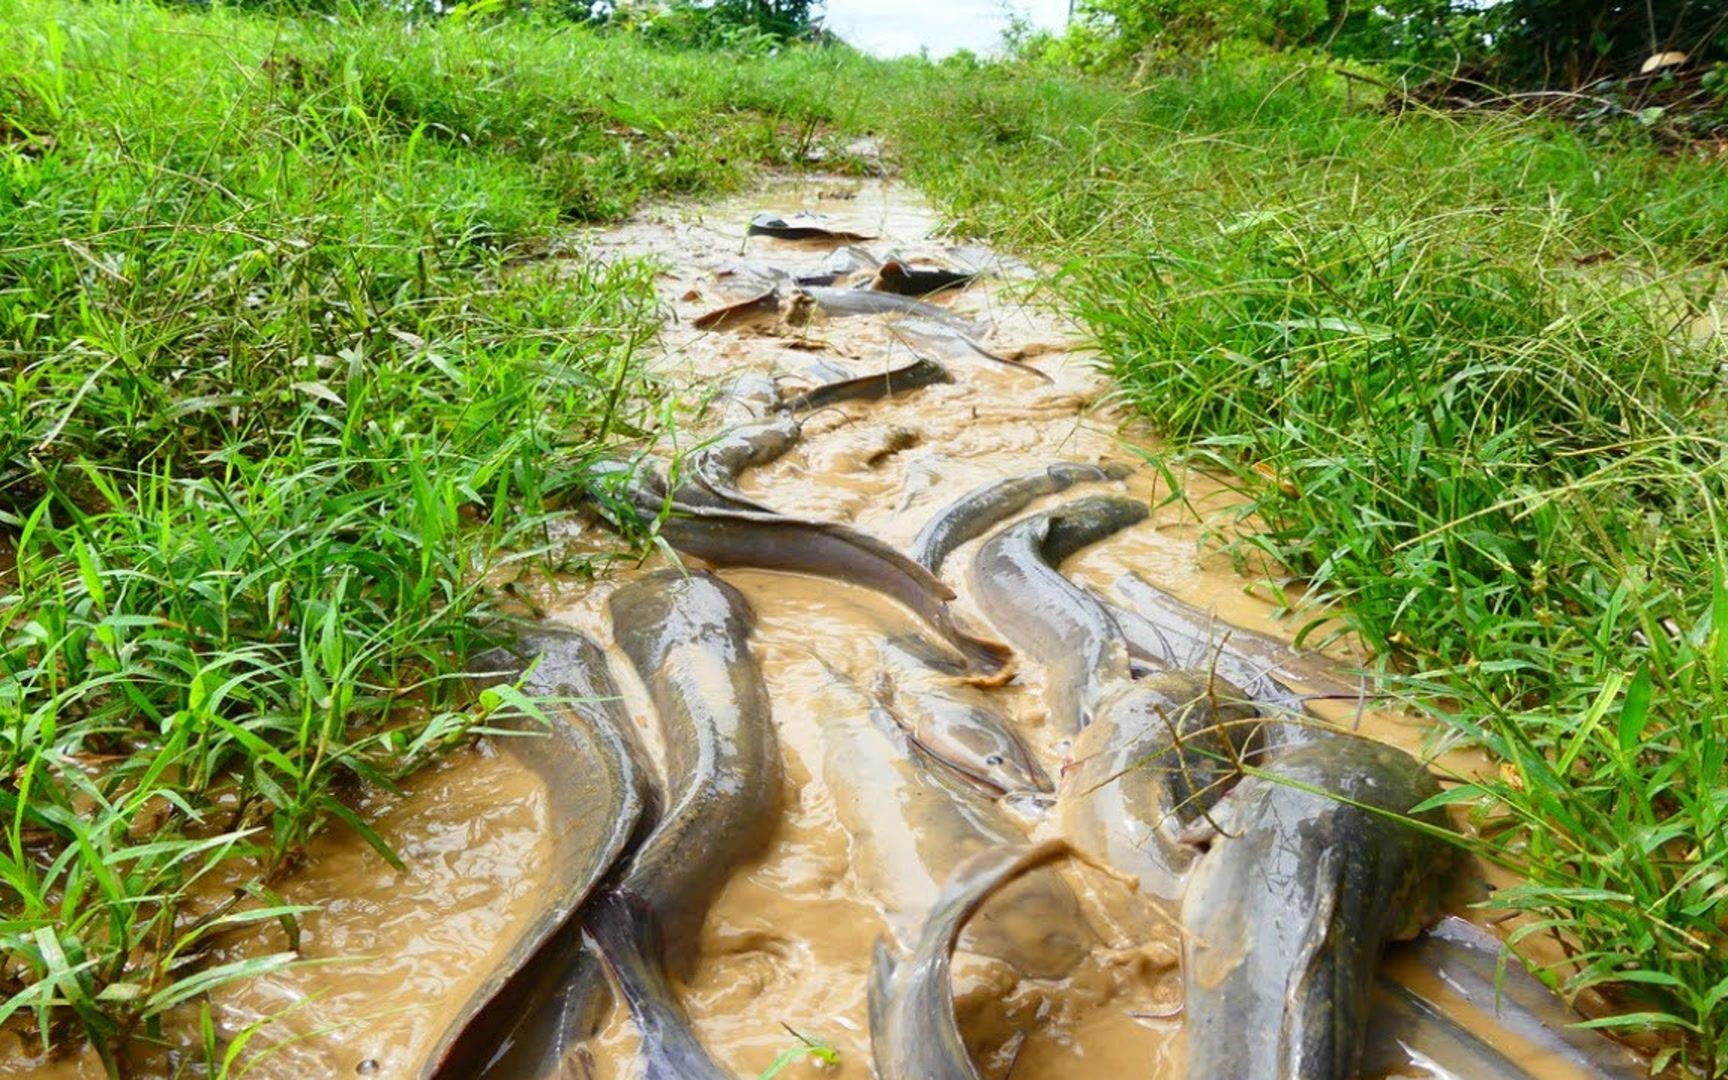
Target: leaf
<point x="321" y="392"/>
<point x="355" y="822"/>
<point x="1633" y="711"/>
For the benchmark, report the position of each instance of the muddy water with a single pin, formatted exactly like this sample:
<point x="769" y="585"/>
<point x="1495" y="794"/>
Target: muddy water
<point x="787" y="943"/>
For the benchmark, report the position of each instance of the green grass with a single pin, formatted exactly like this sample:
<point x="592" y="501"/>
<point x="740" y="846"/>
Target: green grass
<point x="1444" y="360"/>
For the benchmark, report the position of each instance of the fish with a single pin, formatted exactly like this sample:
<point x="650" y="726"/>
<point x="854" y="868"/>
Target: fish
<point x="714" y="468"/>
<point x="896" y="276"/>
<point x="977" y="511"/>
<point x="914" y="1034"/>
<point x="800" y="226"/>
<point x="915" y="333"/>
<point x="1063" y="627"/>
<point x="1286" y="918"/>
<point x="1477" y="972"/>
<point x="841" y="303"/>
<point x="911" y="823"/>
<point x="951" y="720"/>
<point x="1191" y="634"/>
<point x="762" y="305"/>
<point x="841" y="264"/>
<point x="1161" y="752"/>
<point x="1405" y="1031"/>
<point x="897" y="380"/>
<point x="535" y="1010"/>
<point x="687" y="636"/>
<point x="726" y="537"/>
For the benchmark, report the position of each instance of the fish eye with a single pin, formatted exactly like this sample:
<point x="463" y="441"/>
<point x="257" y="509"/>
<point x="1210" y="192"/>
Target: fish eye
<point x="993" y="759"/>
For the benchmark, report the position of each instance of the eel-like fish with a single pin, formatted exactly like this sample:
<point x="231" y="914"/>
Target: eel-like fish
<point x="914" y="1034"/>
<point x="1316" y="868"/>
<point x="1167" y="648"/>
<point x="980" y="509"/>
<point x="1060" y="625"/>
<point x="951" y="720"/>
<point x="800" y="226"/>
<point x="688" y="638"/>
<point x="911" y="825"/>
<point x="1160" y="753"/>
<point x="801" y="546"/>
<point x="713" y="470"/>
<point x="841" y="303"/>
<point x="1193" y="635"/>
<point x="895" y="276"/>
<point x="880" y="384"/>
<point x="535" y="1010"/>
<point x="840" y="264"/>
<point x="946" y="340"/>
<point x="1506" y="999"/>
<point x="763" y="305"/>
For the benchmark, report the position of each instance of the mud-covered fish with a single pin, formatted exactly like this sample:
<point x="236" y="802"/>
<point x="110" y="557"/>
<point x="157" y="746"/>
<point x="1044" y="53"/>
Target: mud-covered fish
<point x="952" y="720"/>
<point x="1315" y="869"/>
<point x="1195" y="636"/>
<point x="798" y="545"/>
<point x="1496" y="994"/>
<point x="842" y="303"/>
<point x="533" y="1012"/>
<point x="878" y="384"/>
<point x="914" y="1034"/>
<point x="688" y="638"/>
<point x="899" y="277"/>
<point x="942" y="339"/>
<point x="761" y="306"/>
<point x="1057" y="623"/>
<point x="800" y="226"/>
<point x="981" y="509"/>
<point x="910" y="826"/>
<point x="841" y="263"/>
<point x="713" y="470"/>
<point x="1160" y="753"/>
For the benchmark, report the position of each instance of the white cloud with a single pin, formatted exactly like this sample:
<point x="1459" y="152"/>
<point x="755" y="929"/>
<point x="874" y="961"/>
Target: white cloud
<point x="899" y="27"/>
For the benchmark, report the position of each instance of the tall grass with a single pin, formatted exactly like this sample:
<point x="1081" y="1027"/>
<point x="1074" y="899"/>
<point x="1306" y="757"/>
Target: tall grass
<point x="284" y="385"/>
<point x="1446" y="361"/>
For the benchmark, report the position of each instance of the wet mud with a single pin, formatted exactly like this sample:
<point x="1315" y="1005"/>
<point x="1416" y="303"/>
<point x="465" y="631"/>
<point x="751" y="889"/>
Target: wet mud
<point x="786" y="945"/>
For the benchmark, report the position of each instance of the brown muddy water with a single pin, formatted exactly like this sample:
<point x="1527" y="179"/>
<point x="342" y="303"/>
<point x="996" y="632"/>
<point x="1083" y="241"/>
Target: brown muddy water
<point x="787" y="944"/>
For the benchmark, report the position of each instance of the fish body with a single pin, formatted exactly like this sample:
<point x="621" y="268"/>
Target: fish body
<point x="914" y="1034"/>
<point x="755" y="308"/>
<point x="1288" y="914"/>
<point x="910" y="826"/>
<point x="916" y="333"/>
<point x="687" y="636"/>
<point x="897" y="380"/>
<point x="800" y="226"/>
<point x="841" y="303"/>
<point x="952" y="720"/>
<point x="1161" y="752"/>
<point x="536" y="1009"/>
<point x="714" y="469"/>
<point x="1059" y="624"/>
<point x="982" y="508"/>
<point x="898" y="277"/>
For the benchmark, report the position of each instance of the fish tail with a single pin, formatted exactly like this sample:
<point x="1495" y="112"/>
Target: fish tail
<point x="627" y="933"/>
<point x="880" y="999"/>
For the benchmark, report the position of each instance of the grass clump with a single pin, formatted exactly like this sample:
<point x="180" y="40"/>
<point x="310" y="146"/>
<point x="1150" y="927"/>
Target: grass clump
<point x="284" y="386"/>
<point x="1453" y="365"/>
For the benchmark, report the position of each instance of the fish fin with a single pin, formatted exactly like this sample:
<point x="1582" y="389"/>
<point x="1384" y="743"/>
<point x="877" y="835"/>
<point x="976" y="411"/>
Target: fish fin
<point x="627" y="933"/>
<point x="880" y="997"/>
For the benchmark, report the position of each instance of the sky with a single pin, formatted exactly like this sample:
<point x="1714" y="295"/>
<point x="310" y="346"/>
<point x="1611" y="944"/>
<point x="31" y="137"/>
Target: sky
<point x="898" y="27"/>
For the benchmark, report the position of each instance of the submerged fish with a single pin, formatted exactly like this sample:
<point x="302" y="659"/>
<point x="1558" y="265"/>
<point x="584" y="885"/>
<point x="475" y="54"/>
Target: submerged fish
<point x="914" y="1034"/>
<point x="880" y="384"/>
<point x="687" y="637"/>
<point x="917" y="333"/>
<point x="1160" y="753"/>
<point x="980" y="509"/>
<point x="800" y="226"/>
<point x="1193" y="636"/>
<point x="1287" y="916"/>
<point x="534" y="1011"/>
<point x="842" y="303"/>
<point x="1055" y="621"/>
<point x="910" y="826"/>
<point x="763" y="305"/>
<point x="840" y="264"/>
<point x="896" y="276"/>
<point x="951" y="720"/>
<point x="713" y="470"/>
